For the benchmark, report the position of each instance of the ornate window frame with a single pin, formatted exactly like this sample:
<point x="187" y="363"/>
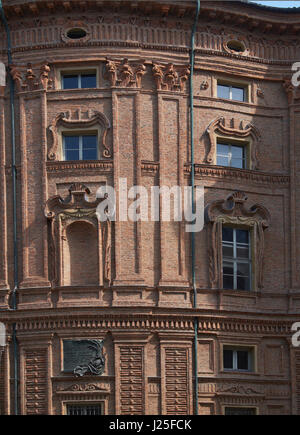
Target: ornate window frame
<point x="64" y="120"/>
<point x="232" y="212"/>
<point x="248" y="135"/>
<point x="75" y="208"/>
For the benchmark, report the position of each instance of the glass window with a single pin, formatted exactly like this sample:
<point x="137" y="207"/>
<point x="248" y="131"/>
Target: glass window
<point x="80" y="147"/>
<point x="237" y="359"/>
<point x="84" y="410"/>
<point x="236" y="259"/>
<point x="228" y="92"/>
<point x="79" y="81"/>
<point x="240" y="411"/>
<point x="230" y="155"/>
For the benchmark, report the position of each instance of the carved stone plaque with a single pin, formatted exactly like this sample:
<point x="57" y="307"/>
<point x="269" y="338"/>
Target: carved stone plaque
<point x="83" y="357"/>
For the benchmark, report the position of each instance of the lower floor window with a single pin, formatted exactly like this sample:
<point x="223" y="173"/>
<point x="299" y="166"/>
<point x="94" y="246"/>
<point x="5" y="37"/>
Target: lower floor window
<point x="84" y="410"/>
<point x="240" y="411"/>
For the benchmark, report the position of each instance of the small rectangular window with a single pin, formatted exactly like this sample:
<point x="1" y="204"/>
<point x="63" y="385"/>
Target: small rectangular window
<point x="80" y="147"/>
<point x="240" y="411"/>
<point x="84" y="410"/>
<point x="231" y="155"/>
<point x="236" y="252"/>
<point x="79" y="81"/>
<point x="228" y="92"/>
<point x="237" y="359"/>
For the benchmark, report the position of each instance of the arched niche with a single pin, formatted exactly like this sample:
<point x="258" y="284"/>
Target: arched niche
<point x="80" y="254"/>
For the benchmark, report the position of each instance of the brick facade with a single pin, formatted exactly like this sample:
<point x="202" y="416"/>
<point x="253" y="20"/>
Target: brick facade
<point x="129" y="283"/>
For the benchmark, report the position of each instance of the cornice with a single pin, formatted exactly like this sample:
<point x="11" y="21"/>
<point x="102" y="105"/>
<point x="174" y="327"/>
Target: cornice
<point x="234" y="174"/>
<point x="150" y="323"/>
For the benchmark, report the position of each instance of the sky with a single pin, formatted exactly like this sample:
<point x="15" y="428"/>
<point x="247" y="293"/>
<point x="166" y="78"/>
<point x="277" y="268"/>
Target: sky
<point x="279" y="4"/>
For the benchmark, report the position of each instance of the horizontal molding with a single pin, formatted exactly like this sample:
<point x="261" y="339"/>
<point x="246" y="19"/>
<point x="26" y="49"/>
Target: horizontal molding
<point x="62" y="166"/>
<point x="233" y="174"/>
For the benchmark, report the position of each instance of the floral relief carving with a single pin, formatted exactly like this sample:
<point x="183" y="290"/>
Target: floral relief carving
<point x="125" y="74"/>
<point x="219" y="126"/>
<point x="63" y="212"/>
<point x="233" y="211"/>
<point x="78" y="120"/>
<point x="169" y="77"/>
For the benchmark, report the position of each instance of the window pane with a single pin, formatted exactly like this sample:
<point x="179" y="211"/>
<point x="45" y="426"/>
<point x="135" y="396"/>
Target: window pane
<point x="223" y="149"/>
<point x="242" y="269"/>
<point x="71" y="154"/>
<point x="223" y="91"/>
<point x="237" y="152"/>
<point x="228" y="251"/>
<point x="89" y="147"/>
<point x="228" y="282"/>
<point x="242" y="360"/>
<point x="238" y="94"/>
<point x="242" y="252"/>
<point x="71" y="147"/>
<point x="243" y="283"/>
<point x="71" y="142"/>
<point x="228" y="359"/>
<point x="242" y="236"/>
<point x="227" y="234"/>
<point x="88" y="80"/>
<point x="237" y="163"/>
<point x="240" y="411"/>
<point x="222" y="161"/>
<point x="70" y="81"/>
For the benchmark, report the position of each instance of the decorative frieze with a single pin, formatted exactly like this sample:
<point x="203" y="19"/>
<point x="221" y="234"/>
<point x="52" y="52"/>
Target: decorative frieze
<point x="125" y="74"/>
<point x="235" y="174"/>
<point x="170" y="77"/>
<point x="28" y="80"/>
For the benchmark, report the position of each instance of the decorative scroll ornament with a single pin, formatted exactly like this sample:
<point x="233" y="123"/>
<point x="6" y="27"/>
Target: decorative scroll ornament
<point x="293" y="93"/>
<point x="27" y="80"/>
<point x="233" y="211"/>
<point x="169" y="77"/>
<point x="125" y="74"/>
<point x="96" y="365"/>
<point x="219" y="126"/>
<point x="78" y="120"/>
<point x="61" y="213"/>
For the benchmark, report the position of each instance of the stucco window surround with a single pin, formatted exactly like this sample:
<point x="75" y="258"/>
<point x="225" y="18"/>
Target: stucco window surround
<point x="76" y="70"/>
<point x="93" y="123"/>
<point x="233" y="212"/>
<point x="235" y="82"/>
<point x="66" y="269"/>
<point x="236" y="133"/>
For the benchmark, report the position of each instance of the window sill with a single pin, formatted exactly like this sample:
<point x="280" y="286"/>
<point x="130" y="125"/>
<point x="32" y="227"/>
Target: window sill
<point x="239" y="372"/>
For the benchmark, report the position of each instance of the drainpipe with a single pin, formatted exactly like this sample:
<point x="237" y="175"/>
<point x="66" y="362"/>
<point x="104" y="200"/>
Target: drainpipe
<point x="192" y="61"/>
<point x="14" y="183"/>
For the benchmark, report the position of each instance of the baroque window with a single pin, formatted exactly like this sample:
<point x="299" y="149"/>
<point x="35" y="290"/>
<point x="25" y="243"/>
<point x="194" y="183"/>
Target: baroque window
<point x="232" y="144"/>
<point x="78" y="80"/>
<point x="236" y="234"/>
<point x="79" y="135"/>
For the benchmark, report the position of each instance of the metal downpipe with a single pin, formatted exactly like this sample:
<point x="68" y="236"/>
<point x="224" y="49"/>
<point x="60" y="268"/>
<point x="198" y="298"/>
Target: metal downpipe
<point x="192" y="61"/>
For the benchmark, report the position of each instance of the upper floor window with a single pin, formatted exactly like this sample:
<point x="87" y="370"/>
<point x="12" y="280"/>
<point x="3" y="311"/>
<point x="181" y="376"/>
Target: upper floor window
<point x="79" y="80"/>
<point x="229" y="92"/>
<point x="231" y="155"/>
<point x="83" y="147"/>
<point x="237" y="359"/>
<point x="236" y="258"/>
